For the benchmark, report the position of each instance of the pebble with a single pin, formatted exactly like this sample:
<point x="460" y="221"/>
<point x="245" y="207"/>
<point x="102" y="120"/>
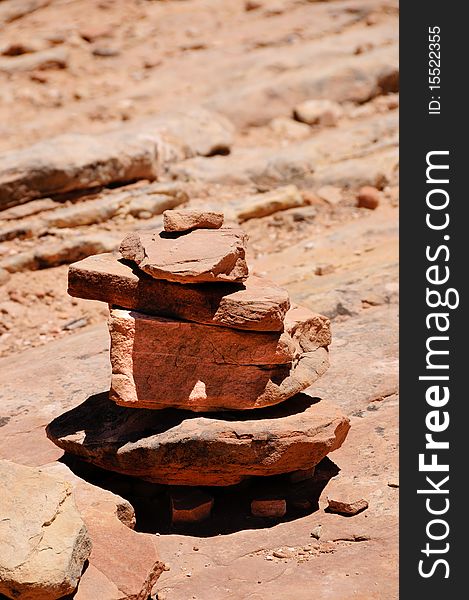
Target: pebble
<point x="368" y="197"/>
<point x="324" y="269"/>
<point x="281" y="554"/>
<point x="316" y="532"/>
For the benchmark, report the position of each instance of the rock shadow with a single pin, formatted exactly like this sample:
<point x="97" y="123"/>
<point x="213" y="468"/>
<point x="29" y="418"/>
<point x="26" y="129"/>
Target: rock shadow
<point x="95" y="433"/>
<point x="231" y="511"/>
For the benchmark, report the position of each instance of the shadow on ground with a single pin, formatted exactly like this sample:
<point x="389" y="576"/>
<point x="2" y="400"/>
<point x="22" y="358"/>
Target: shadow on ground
<point x="231" y="510"/>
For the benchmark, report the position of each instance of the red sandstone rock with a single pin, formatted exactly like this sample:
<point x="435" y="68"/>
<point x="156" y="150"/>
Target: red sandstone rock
<point x="198" y="256"/>
<point x="345" y="498"/>
<point x="190" y="506"/>
<point x="185" y="220"/>
<point x="183" y="448"/>
<point x="265" y="507"/>
<point x="368" y="197"/>
<point x="161" y="363"/>
<point x="258" y="304"/>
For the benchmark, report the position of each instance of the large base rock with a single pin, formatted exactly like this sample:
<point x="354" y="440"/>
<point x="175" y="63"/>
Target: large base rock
<point x="163" y="363"/>
<point x="257" y="305"/>
<point x="181" y="448"/>
<point x="44" y="542"/>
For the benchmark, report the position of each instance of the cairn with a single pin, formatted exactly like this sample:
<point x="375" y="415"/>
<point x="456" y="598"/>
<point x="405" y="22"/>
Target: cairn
<point x="208" y="365"/>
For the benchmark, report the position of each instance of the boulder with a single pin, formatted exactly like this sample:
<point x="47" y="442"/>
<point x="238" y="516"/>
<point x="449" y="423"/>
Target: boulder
<point x="198" y="256"/>
<point x="123" y="564"/>
<point x="44" y="542"/>
<point x="183" y="448"/>
<point x="257" y="304"/>
<point x="160" y="363"/>
<point x="185" y="220"/>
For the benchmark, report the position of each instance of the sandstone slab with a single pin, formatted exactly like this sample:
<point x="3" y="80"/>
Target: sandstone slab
<point x="345" y="497"/>
<point x="257" y="304"/>
<point x="44" y="542"/>
<point x="185" y="220"/>
<point x="199" y="256"/>
<point x="161" y="363"/>
<point x="52" y="58"/>
<point x="183" y="448"/>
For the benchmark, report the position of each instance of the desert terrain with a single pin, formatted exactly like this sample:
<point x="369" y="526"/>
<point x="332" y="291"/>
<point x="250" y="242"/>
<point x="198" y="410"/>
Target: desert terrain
<point x="206" y="104"/>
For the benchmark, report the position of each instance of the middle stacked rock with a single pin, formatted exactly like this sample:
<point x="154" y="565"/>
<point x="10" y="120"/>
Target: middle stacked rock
<point x="192" y="332"/>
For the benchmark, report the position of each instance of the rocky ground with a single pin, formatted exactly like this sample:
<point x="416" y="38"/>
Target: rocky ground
<point x="200" y="103"/>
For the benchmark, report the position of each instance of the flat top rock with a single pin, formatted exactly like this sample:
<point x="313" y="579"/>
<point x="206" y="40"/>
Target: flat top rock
<point x="177" y="447"/>
<point x="185" y="220"/>
<point x="194" y="257"/>
<point x="256" y="304"/>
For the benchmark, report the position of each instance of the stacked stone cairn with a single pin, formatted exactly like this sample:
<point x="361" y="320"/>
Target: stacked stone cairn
<point x="208" y="365"/>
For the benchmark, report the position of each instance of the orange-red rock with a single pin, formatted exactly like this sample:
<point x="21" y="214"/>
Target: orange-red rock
<point x="184" y="448"/>
<point x="161" y="363"/>
<point x="197" y="256"/>
<point x="185" y="220"/>
<point x="368" y="197"/>
<point x="190" y="506"/>
<point x="257" y="304"/>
